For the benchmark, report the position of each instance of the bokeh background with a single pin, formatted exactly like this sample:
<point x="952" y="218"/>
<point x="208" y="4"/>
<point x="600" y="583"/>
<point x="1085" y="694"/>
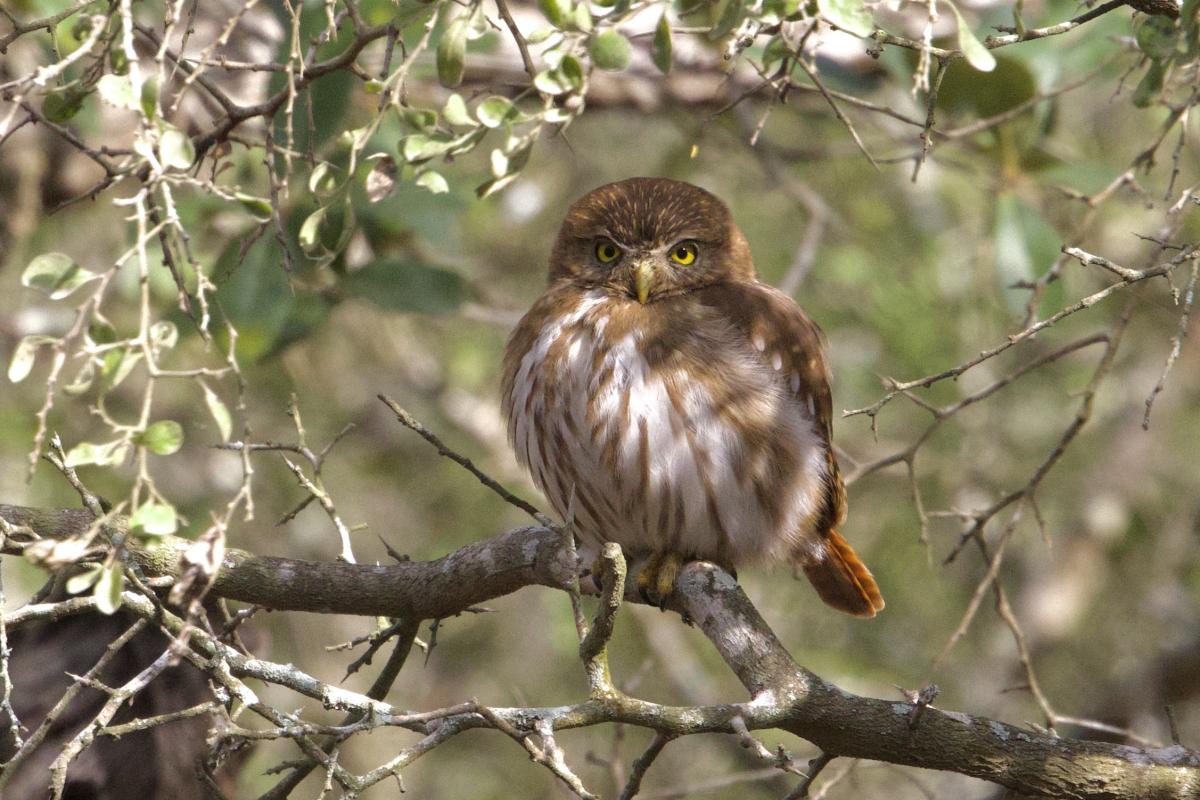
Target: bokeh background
<point x="906" y="277"/>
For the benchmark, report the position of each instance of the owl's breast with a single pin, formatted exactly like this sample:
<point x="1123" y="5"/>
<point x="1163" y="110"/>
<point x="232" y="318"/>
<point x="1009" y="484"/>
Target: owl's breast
<point x="662" y="429"/>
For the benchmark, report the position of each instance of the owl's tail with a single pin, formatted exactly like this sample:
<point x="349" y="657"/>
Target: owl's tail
<point x="842" y="579"/>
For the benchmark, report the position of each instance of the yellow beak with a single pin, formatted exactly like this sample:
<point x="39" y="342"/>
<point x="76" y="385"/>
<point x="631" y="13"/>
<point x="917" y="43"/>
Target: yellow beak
<point x="643" y="278"/>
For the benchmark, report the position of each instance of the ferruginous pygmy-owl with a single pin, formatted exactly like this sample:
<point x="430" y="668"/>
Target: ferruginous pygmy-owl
<point x="672" y="403"/>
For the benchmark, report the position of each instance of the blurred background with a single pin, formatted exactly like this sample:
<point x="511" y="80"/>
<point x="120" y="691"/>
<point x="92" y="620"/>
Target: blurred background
<point x="414" y="294"/>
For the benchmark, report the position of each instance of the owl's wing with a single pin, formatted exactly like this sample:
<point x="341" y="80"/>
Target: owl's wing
<point x="794" y="346"/>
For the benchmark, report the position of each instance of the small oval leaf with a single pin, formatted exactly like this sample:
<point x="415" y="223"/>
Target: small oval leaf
<point x="55" y="275"/>
<point x="455" y="111"/>
<point x="849" y="15"/>
<point x="433" y="181"/>
<point x="660" y="51"/>
<point x="154" y="519"/>
<point x="611" y="51"/>
<point x="555" y="11"/>
<point x="116" y="90"/>
<point x="107" y="590"/>
<point x="220" y="413"/>
<point x="176" y="149"/>
<point x="162" y="438"/>
<point x="77" y="584"/>
<point x="24" y="356"/>
<point x="452" y="53"/>
<point x="102" y="455"/>
<point x="977" y="55"/>
<point x="495" y="110"/>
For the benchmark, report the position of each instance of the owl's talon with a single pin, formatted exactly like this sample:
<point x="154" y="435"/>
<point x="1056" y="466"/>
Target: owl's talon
<point x="668" y="571"/>
<point x="646" y="575"/>
<point x="656" y="579"/>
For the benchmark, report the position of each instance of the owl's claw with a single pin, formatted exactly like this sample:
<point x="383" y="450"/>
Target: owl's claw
<point x="656" y="580"/>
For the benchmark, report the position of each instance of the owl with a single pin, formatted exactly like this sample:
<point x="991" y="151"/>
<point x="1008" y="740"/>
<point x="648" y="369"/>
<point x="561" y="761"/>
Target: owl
<point x="665" y="399"/>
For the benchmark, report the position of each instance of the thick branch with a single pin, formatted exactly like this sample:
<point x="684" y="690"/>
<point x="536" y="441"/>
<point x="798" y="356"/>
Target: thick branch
<point x="784" y="694"/>
<point x="413" y="589"/>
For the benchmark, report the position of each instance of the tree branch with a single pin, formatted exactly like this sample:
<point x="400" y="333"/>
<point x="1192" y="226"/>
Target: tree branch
<point x="784" y="694"/>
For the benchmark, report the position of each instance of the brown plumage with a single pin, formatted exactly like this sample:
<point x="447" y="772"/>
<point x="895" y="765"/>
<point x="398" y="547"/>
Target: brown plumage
<point x="668" y="401"/>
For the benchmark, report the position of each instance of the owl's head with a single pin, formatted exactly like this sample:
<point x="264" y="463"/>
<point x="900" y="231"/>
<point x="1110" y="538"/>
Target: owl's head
<point x="649" y="238"/>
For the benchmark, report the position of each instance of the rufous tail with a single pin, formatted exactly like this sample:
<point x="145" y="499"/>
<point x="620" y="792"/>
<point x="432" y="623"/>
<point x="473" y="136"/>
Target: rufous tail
<point x="842" y="579"/>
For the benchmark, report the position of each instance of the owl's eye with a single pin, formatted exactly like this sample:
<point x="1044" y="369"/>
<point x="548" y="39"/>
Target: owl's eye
<point x="607" y="252"/>
<point x="683" y="253"/>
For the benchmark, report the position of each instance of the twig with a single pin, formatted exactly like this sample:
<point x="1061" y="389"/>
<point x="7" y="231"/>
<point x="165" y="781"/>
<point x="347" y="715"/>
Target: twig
<point x="814" y="769"/>
<point x="1189" y="298"/>
<point x="408" y="421"/>
<point x="642" y="765"/>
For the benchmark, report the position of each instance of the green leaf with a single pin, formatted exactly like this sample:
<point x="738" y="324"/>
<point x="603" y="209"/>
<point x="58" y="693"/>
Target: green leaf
<point x="1025" y="245"/>
<point x="149" y="98"/>
<point x="119" y="61"/>
<point x="259" y="207"/>
<point x="154" y="519"/>
<point x="81" y="582"/>
<point x="24" y="356"/>
<point x="611" y="51"/>
<point x="116" y="366"/>
<point x="71" y="33"/>
<point x="555" y="11"/>
<point x="407" y="286"/>
<point x="322" y="180"/>
<point x="116" y="90"/>
<point x="452" y="53"/>
<point x="61" y="106"/>
<point x="499" y="160"/>
<point x="965" y="88"/>
<point x="419" y="147"/>
<point x="849" y="15"/>
<point x="551" y="81"/>
<point x="162" y="438"/>
<point x="731" y="16"/>
<point x="220" y="413"/>
<point x="494" y="185"/>
<point x="660" y="51"/>
<point x="176" y="149"/>
<point x="977" y="55"/>
<point x="421" y="119"/>
<point x="455" y="111"/>
<point x="1158" y="37"/>
<point x="581" y="18"/>
<point x="433" y="181"/>
<point x="55" y="275"/>
<point x="1150" y="85"/>
<point x="310" y="232"/>
<point x="103" y="455"/>
<point x="373" y="86"/>
<point x="495" y="111"/>
<point x="83" y="380"/>
<point x="572" y="71"/>
<point x="108" y="589"/>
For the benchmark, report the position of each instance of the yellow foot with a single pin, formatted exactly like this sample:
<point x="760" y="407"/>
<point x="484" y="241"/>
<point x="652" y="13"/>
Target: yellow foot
<point x="656" y="580"/>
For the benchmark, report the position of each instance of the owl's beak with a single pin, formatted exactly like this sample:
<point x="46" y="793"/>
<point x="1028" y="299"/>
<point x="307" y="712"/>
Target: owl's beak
<point x="643" y="279"/>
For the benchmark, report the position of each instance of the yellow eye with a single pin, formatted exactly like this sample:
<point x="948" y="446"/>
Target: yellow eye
<point x="684" y="253"/>
<point x="607" y="252"/>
